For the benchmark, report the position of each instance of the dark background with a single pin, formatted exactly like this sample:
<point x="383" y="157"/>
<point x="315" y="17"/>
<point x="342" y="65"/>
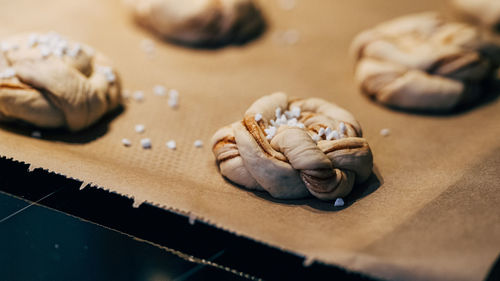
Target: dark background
<point x="52" y="230"/>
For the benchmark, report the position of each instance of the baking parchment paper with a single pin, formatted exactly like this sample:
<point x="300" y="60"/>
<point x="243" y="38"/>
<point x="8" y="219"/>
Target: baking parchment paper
<point x="431" y="211"/>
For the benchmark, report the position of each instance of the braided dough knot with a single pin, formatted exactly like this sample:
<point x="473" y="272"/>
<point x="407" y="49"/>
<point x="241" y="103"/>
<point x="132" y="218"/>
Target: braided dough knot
<point x="200" y="22"/>
<point x="319" y="151"/>
<point x="420" y="62"/>
<point x="51" y="82"/>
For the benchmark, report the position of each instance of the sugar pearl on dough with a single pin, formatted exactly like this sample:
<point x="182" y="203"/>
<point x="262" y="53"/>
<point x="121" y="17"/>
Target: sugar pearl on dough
<point x="258" y="117"/>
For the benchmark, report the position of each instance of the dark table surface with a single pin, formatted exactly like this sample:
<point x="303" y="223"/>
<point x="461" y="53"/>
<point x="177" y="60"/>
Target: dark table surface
<point x="52" y="230"/>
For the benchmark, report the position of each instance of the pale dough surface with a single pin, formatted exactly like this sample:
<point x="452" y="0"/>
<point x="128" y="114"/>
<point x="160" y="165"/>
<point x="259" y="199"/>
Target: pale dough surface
<point x="200" y="22"/>
<point x="484" y="11"/>
<point x="296" y="162"/>
<point x="421" y="62"/>
<point x="51" y="82"/>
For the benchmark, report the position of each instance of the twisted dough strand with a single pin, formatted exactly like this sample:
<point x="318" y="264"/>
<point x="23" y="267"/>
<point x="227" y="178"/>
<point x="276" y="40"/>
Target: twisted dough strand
<point x="200" y="22"/>
<point x="50" y="90"/>
<point x="420" y="62"/>
<point x="292" y="164"/>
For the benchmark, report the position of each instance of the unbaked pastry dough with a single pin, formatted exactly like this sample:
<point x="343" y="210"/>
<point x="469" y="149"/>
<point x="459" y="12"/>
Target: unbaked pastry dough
<point x="315" y="148"/>
<point x="200" y="22"/>
<point x="484" y="11"/>
<point x="52" y="82"/>
<point x="420" y="62"/>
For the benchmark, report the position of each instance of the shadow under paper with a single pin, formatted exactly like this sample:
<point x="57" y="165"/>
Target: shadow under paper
<point x="490" y="92"/>
<point x="359" y="192"/>
<point x="245" y="31"/>
<point x="95" y="131"/>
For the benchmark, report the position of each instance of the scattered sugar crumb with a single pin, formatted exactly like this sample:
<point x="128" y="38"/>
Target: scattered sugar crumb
<point x="147" y="43"/>
<point x="171" y="144"/>
<point x="329" y="136"/>
<point x="126" y="142"/>
<point x="110" y="76"/>
<point x="173" y="103"/>
<point x="283" y="120"/>
<point x="36" y="134"/>
<point x="173" y="94"/>
<point x="43" y="39"/>
<point x="173" y="98"/>
<point x="291" y="37"/>
<point x="333" y="135"/>
<point x="258" y="117"/>
<point x="198" y="143"/>
<point x="5" y="47"/>
<point x="8" y="73"/>
<point x="295" y="111"/>
<point x="288" y="118"/>
<point x="75" y="51"/>
<point x="342" y="128"/>
<point x="148" y="46"/>
<point x="138" y="96"/>
<point x="385" y="132"/>
<point x="328" y="130"/>
<point x="277" y="112"/>
<point x="321" y="131"/>
<point x="339" y="202"/>
<point x="126" y="94"/>
<point x="292" y="122"/>
<point x="270" y="132"/>
<point x="53" y="44"/>
<point x="146" y="143"/>
<point x="44" y="51"/>
<point x="336" y="135"/>
<point x="58" y="52"/>
<point x="32" y="40"/>
<point x="287" y="4"/>
<point x="316" y="137"/>
<point x="140" y="128"/>
<point x="108" y="73"/>
<point x="159" y="90"/>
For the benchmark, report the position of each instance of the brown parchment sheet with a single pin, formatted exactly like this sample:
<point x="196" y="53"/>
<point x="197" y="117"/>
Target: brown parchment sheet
<point x="432" y="213"/>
